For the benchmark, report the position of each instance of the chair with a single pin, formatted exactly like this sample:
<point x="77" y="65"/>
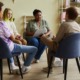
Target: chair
<point x="5" y="53"/>
<point x="69" y="48"/>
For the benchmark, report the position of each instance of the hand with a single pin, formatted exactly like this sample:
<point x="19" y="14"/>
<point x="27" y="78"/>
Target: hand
<point x="42" y="37"/>
<point x="18" y="41"/>
<point x="18" y="37"/>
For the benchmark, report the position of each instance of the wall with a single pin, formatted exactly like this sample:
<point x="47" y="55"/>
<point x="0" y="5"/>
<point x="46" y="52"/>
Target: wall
<point x="20" y="8"/>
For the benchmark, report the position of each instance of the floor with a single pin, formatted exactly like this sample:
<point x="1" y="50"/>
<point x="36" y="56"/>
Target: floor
<point x="36" y="72"/>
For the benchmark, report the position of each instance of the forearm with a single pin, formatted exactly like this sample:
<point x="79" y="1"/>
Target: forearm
<point x="30" y="33"/>
<point x="48" y="33"/>
<point x="14" y="40"/>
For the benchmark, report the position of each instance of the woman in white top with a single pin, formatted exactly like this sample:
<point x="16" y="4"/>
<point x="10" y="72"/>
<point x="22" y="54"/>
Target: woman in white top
<point x="8" y="18"/>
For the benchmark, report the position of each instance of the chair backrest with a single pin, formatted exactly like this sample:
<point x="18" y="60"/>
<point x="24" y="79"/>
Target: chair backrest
<point x="26" y="20"/>
<point x="69" y="47"/>
<point x="4" y="50"/>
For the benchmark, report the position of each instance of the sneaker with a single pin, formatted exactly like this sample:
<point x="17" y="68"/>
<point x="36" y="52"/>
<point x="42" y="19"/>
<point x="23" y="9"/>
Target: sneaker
<point x="14" y="67"/>
<point x="21" y="62"/>
<point x="35" y="61"/>
<point x="46" y="70"/>
<point x="26" y="69"/>
<point x="58" y="63"/>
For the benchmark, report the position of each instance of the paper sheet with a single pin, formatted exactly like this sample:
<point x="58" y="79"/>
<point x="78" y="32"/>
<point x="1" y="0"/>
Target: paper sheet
<point x="39" y="32"/>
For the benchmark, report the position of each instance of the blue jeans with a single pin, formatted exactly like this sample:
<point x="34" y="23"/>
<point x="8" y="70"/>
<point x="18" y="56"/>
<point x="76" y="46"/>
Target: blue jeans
<point x="37" y="43"/>
<point x="31" y="50"/>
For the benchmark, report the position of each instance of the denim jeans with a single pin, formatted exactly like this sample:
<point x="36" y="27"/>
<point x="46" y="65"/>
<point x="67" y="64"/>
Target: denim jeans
<point x="37" y="43"/>
<point x="30" y="50"/>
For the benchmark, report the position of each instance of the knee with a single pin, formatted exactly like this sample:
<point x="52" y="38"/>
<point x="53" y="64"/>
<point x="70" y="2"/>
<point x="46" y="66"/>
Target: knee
<point x="35" y="49"/>
<point x="35" y="42"/>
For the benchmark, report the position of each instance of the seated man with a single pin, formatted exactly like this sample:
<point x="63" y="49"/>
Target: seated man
<point x="6" y="35"/>
<point x="67" y="28"/>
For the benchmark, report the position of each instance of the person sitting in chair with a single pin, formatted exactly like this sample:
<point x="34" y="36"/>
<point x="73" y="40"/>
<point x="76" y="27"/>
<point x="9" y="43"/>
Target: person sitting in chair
<point x="36" y="24"/>
<point x="67" y="28"/>
<point x="7" y="36"/>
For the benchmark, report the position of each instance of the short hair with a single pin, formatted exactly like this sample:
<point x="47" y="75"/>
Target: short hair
<point x="72" y="13"/>
<point x="1" y="4"/>
<point x="36" y="11"/>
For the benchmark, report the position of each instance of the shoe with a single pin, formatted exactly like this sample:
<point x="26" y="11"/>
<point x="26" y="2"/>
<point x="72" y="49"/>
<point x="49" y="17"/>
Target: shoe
<point x="58" y="63"/>
<point x="21" y="62"/>
<point x="14" y="67"/>
<point x="35" y="61"/>
<point x="26" y="69"/>
<point x="46" y="70"/>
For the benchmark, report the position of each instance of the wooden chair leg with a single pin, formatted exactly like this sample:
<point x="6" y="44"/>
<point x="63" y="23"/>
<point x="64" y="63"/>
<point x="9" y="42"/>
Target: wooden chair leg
<point x="65" y="70"/>
<point x="78" y="64"/>
<point x="19" y="66"/>
<point x="9" y="66"/>
<point x="1" y="70"/>
<point x="49" y="66"/>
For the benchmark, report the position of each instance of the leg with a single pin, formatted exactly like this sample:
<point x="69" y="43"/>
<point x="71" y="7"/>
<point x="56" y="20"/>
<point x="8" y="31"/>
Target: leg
<point x="48" y="61"/>
<point x="31" y="50"/>
<point x="34" y="42"/>
<point x="11" y="64"/>
<point x="41" y="49"/>
<point x="50" y="66"/>
<point x="49" y="56"/>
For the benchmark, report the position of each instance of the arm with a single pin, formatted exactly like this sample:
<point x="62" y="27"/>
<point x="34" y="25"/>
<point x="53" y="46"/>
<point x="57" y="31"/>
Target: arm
<point x="48" y="29"/>
<point x="60" y="33"/>
<point x="17" y="35"/>
<point x="29" y="33"/>
<point x="28" y="30"/>
<point x="58" y="37"/>
<point x="12" y="38"/>
<point x="48" y="33"/>
<point x="13" y="26"/>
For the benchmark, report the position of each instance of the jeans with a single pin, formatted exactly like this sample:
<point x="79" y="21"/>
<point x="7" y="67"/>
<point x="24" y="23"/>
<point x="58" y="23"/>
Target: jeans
<point x="31" y="50"/>
<point x="37" y="43"/>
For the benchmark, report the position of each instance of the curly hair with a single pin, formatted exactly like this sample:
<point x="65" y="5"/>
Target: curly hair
<point x="36" y="11"/>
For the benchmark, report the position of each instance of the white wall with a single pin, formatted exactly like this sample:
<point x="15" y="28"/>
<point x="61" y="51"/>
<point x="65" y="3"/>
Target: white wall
<point x="20" y="8"/>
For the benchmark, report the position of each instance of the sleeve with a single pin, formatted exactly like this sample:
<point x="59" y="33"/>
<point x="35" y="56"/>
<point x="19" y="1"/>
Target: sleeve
<point x="46" y="24"/>
<point x="14" y="28"/>
<point x="6" y="31"/>
<point x="28" y="27"/>
<point x="60" y="33"/>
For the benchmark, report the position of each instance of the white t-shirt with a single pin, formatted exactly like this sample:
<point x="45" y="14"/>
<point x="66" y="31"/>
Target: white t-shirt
<point x="12" y="27"/>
